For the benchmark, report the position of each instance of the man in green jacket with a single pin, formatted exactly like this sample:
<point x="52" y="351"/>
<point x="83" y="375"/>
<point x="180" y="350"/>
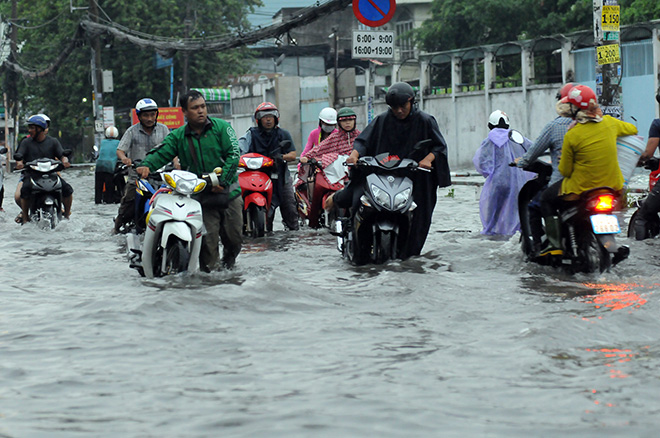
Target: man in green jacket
<point x="203" y="144"/>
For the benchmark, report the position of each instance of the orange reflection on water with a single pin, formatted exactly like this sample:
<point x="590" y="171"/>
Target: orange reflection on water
<point x="616" y="296"/>
<point x="613" y="357"/>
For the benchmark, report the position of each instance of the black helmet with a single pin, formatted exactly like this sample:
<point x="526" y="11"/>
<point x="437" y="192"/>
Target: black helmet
<point x="400" y="93"/>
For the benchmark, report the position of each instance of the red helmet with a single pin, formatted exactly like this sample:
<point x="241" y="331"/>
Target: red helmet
<point x="563" y="91"/>
<point x="267" y="109"/>
<point x="580" y="96"/>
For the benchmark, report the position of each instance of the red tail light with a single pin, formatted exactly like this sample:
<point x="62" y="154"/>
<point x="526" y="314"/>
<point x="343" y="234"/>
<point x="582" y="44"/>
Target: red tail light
<point x="602" y="203"/>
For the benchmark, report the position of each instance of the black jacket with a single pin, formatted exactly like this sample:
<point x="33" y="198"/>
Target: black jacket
<point x="386" y="133"/>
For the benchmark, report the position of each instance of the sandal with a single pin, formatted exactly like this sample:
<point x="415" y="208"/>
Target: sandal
<point x="19" y="218"/>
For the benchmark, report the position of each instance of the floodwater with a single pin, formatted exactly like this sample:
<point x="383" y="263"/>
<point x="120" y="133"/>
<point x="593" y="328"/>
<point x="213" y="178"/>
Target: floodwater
<point x="467" y="340"/>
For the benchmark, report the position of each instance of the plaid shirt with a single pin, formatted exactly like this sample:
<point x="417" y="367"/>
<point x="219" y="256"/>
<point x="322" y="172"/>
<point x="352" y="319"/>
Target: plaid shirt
<point x="136" y="142"/>
<point x="552" y="136"/>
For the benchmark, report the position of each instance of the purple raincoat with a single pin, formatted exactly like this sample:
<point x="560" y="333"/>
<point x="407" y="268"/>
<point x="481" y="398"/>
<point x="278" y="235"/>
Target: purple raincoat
<point x="498" y="205"/>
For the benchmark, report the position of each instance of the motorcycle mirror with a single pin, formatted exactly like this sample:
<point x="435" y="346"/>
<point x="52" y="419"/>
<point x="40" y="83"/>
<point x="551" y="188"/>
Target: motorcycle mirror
<point x="516" y="136"/>
<point x="18" y="157"/>
<point x="67" y="152"/>
<point x="3" y="150"/>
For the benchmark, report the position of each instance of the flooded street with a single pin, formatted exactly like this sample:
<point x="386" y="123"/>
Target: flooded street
<point x="466" y="340"/>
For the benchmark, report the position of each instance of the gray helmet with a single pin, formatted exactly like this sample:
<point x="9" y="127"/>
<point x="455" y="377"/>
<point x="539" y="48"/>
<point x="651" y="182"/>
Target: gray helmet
<point x="400" y="93"/>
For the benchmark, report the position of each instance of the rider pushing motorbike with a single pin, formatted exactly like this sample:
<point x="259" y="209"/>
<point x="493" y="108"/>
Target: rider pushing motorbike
<point x="588" y="160"/>
<point x="39" y="145"/>
<point x="396" y="131"/>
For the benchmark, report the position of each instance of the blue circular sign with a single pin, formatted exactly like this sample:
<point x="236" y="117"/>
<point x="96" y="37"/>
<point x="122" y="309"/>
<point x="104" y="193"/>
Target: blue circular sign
<point x="374" y="13"/>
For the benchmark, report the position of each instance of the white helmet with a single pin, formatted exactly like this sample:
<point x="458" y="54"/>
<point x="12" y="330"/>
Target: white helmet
<point x="498" y="119"/>
<point x="111" y="132"/>
<point x="146" y="104"/>
<point x="328" y="115"/>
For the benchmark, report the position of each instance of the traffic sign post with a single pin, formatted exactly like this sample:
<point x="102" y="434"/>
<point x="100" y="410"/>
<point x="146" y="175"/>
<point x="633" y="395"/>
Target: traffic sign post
<point x="374" y="13"/>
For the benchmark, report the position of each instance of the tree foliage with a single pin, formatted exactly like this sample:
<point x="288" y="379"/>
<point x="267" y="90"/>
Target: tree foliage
<point x="458" y="23"/>
<point x="45" y="28"/>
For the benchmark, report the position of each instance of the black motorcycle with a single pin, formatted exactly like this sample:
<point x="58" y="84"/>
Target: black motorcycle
<point x="652" y="224"/>
<point x="45" y="206"/>
<point x="378" y="229"/>
<point x="588" y="226"/>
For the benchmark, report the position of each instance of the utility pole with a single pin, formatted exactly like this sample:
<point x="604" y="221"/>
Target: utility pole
<point x="608" y="57"/>
<point x="97" y="98"/>
<point x="11" y="100"/>
<point x="335" y="99"/>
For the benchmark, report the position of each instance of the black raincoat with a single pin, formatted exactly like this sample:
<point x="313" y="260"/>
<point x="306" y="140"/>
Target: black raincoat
<point x="388" y="134"/>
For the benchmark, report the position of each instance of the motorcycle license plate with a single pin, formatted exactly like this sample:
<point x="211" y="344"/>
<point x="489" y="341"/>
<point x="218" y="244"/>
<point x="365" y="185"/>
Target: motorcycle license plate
<point x="605" y="224"/>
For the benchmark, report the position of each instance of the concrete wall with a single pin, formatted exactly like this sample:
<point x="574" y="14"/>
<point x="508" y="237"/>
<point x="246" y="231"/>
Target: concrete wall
<point x="463" y="119"/>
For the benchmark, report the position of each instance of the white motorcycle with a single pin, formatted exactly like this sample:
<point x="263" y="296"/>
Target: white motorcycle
<point x="174" y="228"/>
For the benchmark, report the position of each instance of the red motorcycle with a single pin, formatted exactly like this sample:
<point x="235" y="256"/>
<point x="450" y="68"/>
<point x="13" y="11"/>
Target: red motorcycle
<point x="257" y="190"/>
<point x="312" y="193"/>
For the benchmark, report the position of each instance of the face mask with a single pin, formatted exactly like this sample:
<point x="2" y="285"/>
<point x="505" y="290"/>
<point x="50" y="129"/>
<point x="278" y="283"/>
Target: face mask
<point x="327" y="128"/>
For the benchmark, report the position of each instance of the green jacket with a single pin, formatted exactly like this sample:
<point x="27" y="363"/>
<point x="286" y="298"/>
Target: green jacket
<point x="217" y="146"/>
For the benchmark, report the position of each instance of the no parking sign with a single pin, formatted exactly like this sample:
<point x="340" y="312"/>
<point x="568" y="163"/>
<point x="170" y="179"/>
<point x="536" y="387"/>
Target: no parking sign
<point x="374" y="13"/>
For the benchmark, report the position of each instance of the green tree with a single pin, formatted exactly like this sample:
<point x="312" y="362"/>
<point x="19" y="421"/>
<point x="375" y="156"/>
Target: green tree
<point x="458" y="23"/>
<point x="45" y="28"/>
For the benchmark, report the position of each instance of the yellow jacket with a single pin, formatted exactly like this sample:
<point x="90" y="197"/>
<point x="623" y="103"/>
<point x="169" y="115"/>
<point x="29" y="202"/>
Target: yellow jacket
<point x="589" y="155"/>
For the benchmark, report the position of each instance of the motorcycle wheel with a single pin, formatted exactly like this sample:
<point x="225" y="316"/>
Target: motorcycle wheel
<point x="359" y="251"/>
<point x="652" y="227"/>
<point x="594" y="257"/>
<point x="383" y="246"/>
<point x="46" y="217"/>
<point x="176" y="257"/>
<point x="257" y="217"/>
<point x="631" y="224"/>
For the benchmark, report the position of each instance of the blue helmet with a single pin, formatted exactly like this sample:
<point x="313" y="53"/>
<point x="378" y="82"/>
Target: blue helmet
<point x="38" y="121"/>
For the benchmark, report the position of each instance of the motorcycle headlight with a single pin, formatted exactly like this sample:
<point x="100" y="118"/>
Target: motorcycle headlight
<point x="401" y="198"/>
<point x="254" y="163"/>
<point x="186" y="186"/>
<point x="380" y="196"/>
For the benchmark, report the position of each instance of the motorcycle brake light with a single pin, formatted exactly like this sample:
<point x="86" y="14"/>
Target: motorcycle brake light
<point x="602" y="203"/>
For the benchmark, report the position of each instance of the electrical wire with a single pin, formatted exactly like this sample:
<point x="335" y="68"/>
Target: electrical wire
<point x="20" y="26"/>
<point x="168" y="46"/>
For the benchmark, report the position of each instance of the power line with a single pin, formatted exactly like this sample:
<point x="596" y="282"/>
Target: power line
<point x="167" y="46"/>
<point x="14" y="23"/>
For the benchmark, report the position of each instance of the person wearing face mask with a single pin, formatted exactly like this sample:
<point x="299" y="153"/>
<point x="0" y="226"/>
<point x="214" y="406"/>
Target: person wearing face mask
<point x="327" y="125"/>
<point x="268" y="139"/>
<point x="339" y="142"/>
